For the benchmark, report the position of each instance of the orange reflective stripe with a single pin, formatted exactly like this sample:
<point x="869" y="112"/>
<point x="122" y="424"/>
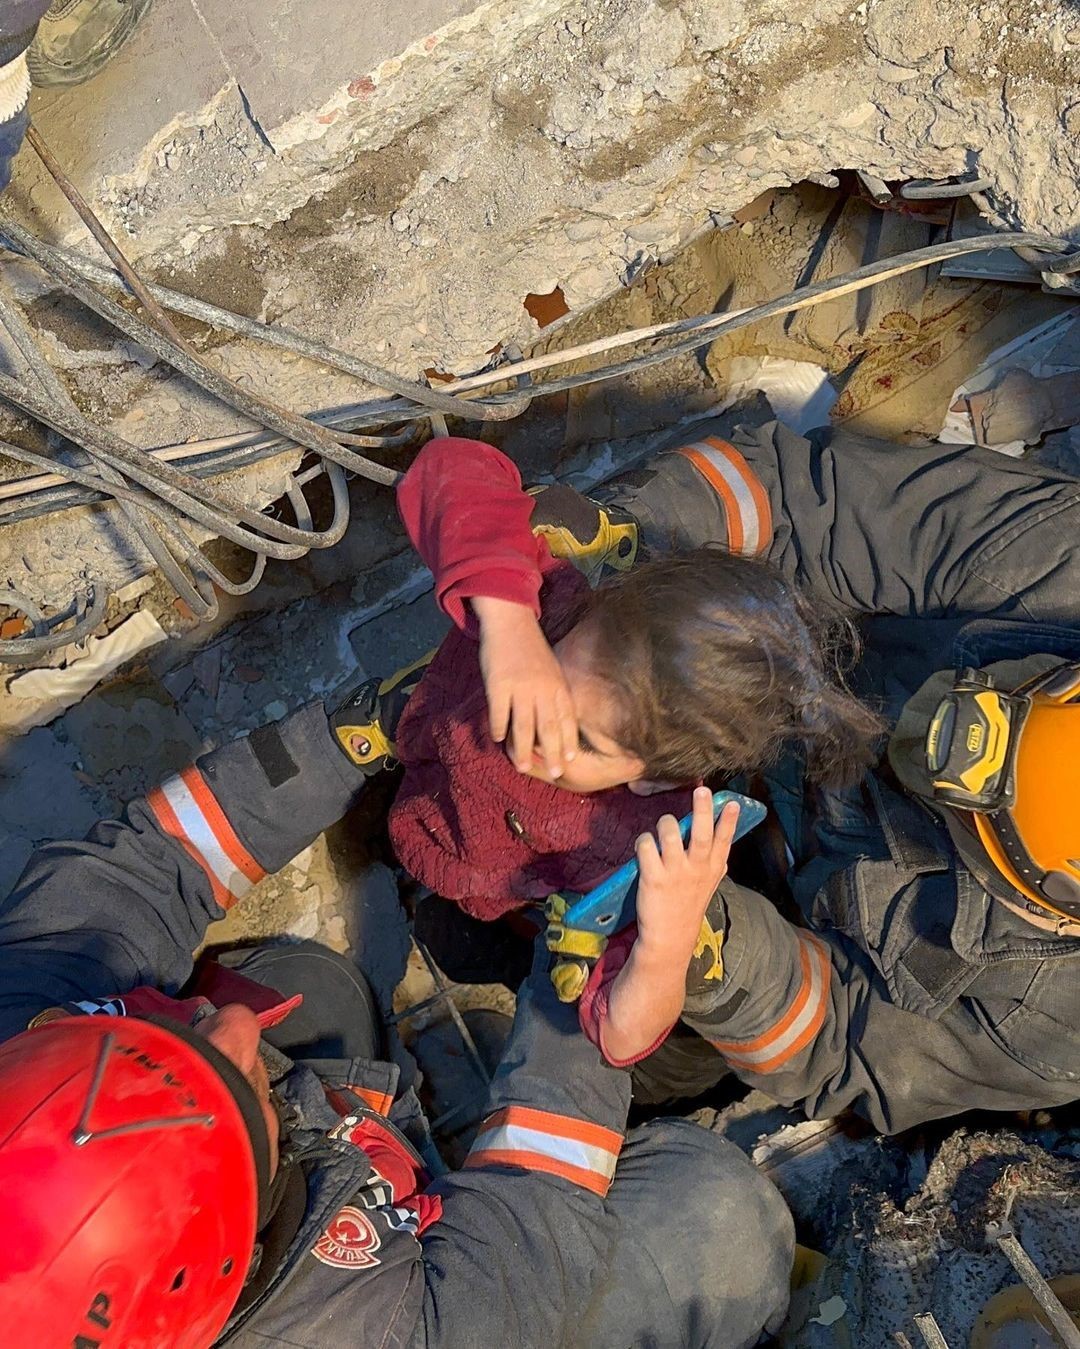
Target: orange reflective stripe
<point x="538" y="1161"/>
<point x="724" y="492"/>
<point x="218" y="821"/>
<point x="745" y="501"/>
<point x="379" y="1101"/>
<point x="538" y="1140"/>
<point x="799" y="1024"/>
<point x="756" y="489"/>
<point x="560" y="1126"/>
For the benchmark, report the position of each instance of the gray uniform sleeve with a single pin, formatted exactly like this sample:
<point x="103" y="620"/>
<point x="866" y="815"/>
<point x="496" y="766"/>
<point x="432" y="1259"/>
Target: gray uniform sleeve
<point x="935" y="531"/>
<point x="525" y="1229"/>
<point x="128" y="906"/>
<point x="807" y="1019"/>
<point x="876" y="527"/>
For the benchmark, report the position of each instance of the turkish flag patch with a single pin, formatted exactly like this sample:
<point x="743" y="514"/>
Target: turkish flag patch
<point x="349" y="1242"/>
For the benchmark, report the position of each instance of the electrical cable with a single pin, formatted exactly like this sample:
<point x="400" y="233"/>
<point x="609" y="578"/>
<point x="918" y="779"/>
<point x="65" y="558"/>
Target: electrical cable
<point x="221" y="512"/>
<point x="416" y="399"/>
<point x="376" y="412"/>
<point x="203" y="601"/>
<point x="299" y="429"/>
<point x="703" y="328"/>
<point x="285" y="338"/>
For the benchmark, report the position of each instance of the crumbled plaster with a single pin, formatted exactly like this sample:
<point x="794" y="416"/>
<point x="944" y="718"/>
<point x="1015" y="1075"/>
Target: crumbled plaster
<point x="521" y="147"/>
<point x="554" y="143"/>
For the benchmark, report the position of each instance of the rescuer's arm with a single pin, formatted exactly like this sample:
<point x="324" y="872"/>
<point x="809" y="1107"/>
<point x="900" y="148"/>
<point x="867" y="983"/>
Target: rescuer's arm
<point x="806" y="1018"/>
<point x="129" y="905"/>
<point x="524" y="1230"/>
<point x="870" y="526"/>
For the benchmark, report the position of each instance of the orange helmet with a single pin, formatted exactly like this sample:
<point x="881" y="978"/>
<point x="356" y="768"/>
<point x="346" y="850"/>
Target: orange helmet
<point x="1013" y="761"/>
<point x="130" y="1170"/>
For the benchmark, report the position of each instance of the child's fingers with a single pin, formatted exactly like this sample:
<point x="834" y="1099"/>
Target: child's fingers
<point x="701" y="826"/>
<point x="568" y="724"/>
<point x="667" y="831"/>
<point x="724" y="834"/>
<point x="523" y="734"/>
<point x="549" y="735"/>
<point x="650" y="867"/>
<point x="498" y="713"/>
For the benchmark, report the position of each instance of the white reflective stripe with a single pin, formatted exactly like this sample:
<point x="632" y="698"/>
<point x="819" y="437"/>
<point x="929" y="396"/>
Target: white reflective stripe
<point x="202" y="837"/>
<point x="776" y="1048"/>
<point x="748" y="511"/>
<point x="518" y="1138"/>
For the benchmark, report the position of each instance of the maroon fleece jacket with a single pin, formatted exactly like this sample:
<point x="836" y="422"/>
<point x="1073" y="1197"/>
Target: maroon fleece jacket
<point x="465" y="822"/>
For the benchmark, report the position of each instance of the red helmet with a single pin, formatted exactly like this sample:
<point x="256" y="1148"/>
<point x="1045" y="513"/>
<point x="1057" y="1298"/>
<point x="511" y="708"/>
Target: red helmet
<point x="129" y="1174"/>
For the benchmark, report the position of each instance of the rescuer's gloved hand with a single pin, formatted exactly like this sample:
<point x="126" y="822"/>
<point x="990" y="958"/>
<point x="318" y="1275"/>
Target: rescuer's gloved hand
<point x="579" y="530"/>
<point x="365" y="721"/>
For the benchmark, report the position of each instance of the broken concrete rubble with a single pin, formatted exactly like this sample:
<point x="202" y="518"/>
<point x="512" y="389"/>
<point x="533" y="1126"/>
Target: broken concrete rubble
<point x="545" y="150"/>
<point x="933" y="1244"/>
<point x="372" y="196"/>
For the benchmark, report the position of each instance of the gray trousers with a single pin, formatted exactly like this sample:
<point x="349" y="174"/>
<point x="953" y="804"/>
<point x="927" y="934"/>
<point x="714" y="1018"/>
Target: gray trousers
<point x="704" y="1244"/>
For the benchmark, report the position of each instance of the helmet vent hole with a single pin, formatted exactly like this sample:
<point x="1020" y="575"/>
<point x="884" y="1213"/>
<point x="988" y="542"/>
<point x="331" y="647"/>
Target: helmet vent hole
<point x="178" y="1282"/>
<point x="227" y="1267"/>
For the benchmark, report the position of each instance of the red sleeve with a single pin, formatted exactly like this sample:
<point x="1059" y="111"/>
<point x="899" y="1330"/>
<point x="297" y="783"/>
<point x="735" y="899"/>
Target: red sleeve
<point x="593" y="1007"/>
<point x="467" y="515"/>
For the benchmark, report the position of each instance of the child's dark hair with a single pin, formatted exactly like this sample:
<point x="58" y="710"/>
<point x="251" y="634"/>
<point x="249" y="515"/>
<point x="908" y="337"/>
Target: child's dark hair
<point x="720" y="664"/>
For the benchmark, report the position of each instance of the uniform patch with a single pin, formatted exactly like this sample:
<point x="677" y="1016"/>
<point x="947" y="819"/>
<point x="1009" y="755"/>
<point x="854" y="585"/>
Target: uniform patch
<point x="350" y="1241"/>
<point x="711" y="941"/>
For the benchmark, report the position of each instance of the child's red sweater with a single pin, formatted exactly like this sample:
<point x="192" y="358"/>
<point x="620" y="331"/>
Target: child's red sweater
<point x="465" y="822"/>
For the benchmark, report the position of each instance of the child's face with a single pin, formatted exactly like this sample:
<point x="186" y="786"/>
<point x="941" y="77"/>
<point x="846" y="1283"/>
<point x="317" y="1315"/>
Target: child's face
<point x="601" y="762"/>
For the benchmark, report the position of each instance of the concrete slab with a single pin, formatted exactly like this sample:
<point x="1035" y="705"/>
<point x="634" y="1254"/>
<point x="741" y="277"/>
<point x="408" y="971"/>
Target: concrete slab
<point x="170" y="69"/>
<point x="129" y="736"/>
<point x="239" y="71"/>
<point x="289" y="57"/>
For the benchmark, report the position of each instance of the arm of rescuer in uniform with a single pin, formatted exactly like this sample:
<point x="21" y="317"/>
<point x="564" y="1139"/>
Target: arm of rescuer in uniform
<point x="880" y="528"/>
<point x="127" y="907"/>
<point x="524" y="1226"/>
<point x="467" y="516"/>
<point x="524" y="1230"/>
<point x="806" y="1018"/>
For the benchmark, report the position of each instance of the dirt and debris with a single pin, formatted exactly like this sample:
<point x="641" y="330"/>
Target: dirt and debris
<point x="901" y="1245"/>
<point x="547" y="197"/>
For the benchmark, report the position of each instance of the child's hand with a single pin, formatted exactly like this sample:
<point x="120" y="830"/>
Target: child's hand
<point x="526" y="690"/>
<point x="674" y="890"/>
<point x="678" y="882"/>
